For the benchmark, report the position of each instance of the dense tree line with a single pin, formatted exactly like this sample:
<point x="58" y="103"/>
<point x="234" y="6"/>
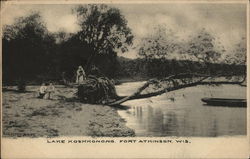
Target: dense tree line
<point x="162" y="54"/>
<point x="27" y="47"/>
<point x="161" y="68"/>
<point x="32" y="53"/>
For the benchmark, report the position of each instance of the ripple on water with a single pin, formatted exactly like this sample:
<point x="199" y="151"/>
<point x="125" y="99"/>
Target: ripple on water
<point x="181" y="113"/>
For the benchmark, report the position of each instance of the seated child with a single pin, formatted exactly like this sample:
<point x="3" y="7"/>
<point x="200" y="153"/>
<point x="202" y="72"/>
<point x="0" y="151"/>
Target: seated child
<point x="50" y="90"/>
<point x="42" y="90"/>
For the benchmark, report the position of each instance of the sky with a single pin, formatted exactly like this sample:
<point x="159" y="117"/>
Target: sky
<point x="225" y="21"/>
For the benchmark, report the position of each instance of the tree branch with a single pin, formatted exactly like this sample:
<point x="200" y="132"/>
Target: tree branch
<point x="137" y="95"/>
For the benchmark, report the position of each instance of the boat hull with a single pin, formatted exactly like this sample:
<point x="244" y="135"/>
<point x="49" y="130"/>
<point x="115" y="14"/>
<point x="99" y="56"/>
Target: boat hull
<point x="225" y="102"/>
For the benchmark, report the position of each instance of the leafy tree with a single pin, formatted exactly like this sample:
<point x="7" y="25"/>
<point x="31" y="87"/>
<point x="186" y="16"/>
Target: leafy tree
<point x="71" y="53"/>
<point x="203" y="47"/>
<point x="237" y="60"/>
<point x="26" y="48"/>
<point x="239" y="54"/>
<point x="62" y="36"/>
<point x="104" y="29"/>
<point x="160" y="43"/>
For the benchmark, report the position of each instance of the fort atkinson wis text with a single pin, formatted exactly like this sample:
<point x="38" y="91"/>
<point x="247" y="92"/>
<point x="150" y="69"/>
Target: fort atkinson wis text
<point x="94" y="141"/>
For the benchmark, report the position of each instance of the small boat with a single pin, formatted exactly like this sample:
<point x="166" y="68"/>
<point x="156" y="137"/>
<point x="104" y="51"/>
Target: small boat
<point x="225" y="102"/>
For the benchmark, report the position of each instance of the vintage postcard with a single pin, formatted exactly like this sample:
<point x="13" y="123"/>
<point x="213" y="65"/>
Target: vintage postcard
<point x="125" y="79"/>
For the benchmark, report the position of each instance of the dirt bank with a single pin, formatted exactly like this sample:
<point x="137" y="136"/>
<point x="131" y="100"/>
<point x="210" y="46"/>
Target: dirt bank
<point x="26" y="115"/>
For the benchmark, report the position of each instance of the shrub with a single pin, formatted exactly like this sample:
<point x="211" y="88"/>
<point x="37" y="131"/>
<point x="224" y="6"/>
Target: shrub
<point x="21" y="86"/>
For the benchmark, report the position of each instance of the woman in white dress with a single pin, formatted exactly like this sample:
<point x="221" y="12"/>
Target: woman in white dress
<point x="80" y="75"/>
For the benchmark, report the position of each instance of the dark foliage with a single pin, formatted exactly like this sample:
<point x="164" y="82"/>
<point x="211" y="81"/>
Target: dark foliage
<point x="163" y="67"/>
<point x="21" y="86"/>
<point x="32" y="53"/>
<point x="104" y="29"/>
<point x="26" y="49"/>
<point x="96" y="90"/>
<point x="71" y="54"/>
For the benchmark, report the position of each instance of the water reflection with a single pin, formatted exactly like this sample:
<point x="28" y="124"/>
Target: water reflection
<point x="186" y="115"/>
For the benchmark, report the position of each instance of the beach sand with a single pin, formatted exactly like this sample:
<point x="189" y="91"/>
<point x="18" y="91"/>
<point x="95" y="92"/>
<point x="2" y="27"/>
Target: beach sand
<point x="24" y="115"/>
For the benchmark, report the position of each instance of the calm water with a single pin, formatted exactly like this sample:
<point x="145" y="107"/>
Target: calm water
<point x="181" y="113"/>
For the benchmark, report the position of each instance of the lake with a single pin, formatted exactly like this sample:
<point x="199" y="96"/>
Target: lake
<point x="182" y="113"/>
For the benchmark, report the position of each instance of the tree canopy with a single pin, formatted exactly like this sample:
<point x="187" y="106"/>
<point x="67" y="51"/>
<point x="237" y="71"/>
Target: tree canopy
<point x="159" y="43"/>
<point x="204" y="47"/>
<point x="238" y="56"/>
<point x="30" y="51"/>
<point x="103" y="28"/>
<point x="26" y="47"/>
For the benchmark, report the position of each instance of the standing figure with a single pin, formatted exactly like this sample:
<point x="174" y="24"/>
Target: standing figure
<point x="80" y="75"/>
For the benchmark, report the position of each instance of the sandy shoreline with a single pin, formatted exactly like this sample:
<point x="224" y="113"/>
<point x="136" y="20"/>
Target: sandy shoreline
<point x="24" y="115"/>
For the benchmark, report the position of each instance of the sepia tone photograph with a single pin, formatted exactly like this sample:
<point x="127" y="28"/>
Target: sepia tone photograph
<point x="124" y="70"/>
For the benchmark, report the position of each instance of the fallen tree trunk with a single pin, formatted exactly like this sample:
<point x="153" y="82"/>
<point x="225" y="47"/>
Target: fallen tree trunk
<point x="137" y="94"/>
<point x="175" y="86"/>
<point x="141" y="96"/>
<point x="102" y="90"/>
